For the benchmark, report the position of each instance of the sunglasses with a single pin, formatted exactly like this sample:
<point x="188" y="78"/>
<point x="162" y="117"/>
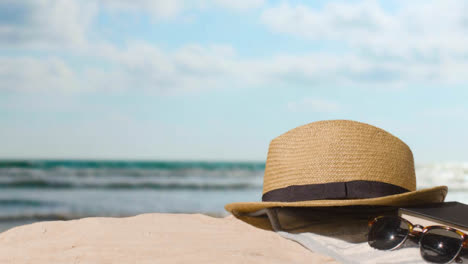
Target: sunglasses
<point x="437" y="244"/>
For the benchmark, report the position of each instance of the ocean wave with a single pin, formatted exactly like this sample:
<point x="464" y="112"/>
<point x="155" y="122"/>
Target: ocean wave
<point x="41" y="183"/>
<point x="23" y="203"/>
<point x="178" y="175"/>
<point x="168" y="165"/>
<point x="130" y="175"/>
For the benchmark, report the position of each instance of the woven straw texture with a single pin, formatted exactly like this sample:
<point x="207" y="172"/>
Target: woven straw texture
<point x="340" y="151"/>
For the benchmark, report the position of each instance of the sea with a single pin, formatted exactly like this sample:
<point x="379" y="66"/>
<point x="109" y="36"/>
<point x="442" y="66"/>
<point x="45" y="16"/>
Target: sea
<point x="43" y="190"/>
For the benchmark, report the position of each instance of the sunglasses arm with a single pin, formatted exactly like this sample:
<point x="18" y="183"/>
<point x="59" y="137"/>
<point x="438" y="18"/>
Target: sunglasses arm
<point x="463" y="253"/>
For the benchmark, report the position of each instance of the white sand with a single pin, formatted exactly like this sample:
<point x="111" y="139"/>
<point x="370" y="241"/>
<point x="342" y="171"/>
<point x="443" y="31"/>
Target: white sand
<point x="150" y="238"/>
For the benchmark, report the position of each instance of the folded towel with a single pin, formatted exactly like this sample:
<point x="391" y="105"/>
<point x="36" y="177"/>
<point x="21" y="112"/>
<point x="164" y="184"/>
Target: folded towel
<point x="347" y="252"/>
<point x="342" y="237"/>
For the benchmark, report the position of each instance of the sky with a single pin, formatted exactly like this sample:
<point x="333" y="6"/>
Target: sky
<point x="218" y="79"/>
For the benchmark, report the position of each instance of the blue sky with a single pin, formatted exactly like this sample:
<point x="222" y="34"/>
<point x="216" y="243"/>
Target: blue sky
<point x="218" y="79"/>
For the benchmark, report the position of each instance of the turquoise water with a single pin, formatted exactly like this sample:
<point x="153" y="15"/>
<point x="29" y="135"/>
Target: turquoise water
<point x="54" y="190"/>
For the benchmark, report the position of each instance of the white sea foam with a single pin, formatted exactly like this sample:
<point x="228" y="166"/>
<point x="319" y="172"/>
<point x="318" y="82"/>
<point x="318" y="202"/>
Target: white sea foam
<point x="452" y="174"/>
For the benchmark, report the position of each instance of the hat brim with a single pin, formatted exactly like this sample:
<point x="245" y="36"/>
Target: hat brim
<point x="429" y="195"/>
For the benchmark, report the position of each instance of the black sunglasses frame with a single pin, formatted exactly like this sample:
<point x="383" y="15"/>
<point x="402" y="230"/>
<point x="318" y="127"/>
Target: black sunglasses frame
<point x="424" y="229"/>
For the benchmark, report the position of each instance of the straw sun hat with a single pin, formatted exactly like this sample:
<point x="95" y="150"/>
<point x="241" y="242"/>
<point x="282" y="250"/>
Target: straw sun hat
<point x="339" y="163"/>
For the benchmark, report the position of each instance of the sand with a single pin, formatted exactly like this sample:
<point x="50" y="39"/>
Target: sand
<point x="150" y="238"/>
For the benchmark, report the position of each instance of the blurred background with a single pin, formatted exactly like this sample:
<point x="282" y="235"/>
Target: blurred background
<point x="119" y="107"/>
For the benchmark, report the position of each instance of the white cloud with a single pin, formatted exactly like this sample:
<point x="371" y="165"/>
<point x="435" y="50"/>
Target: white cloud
<point x="159" y="8"/>
<point x="52" y="24"/>
<point x="314" y="105"/>
<point x="423" y="41"/>
<point x="414" y="44"/>
<point x="45" y="24"/>
<point x="416" y="30"/>
<point x="141" y="65"/>
<point x="165" y="9"/>
<point x="147" y="67"/>
<point x="335" y="21"/>
<point x="28" y="74"/>
<point x="144" y="66"/>
<point x="239" y="4"/>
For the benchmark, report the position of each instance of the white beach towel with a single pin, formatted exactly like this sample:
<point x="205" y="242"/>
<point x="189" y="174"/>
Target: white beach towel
<point x="342" y="238"/>
<point x="346" y="252"/>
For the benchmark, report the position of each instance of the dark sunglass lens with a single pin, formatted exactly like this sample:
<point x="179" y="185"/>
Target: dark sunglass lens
<point x="387" y="232"/>
<point x="440" y="245"/>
